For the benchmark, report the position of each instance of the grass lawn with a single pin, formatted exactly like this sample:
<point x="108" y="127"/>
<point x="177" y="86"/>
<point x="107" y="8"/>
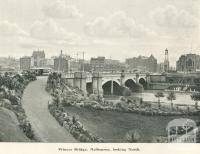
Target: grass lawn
<point x="9" y="129"/>
<point x="113" y="126"/>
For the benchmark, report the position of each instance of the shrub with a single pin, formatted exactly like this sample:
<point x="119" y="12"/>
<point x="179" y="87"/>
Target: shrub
<point x="119" y="105"/>
<point x="74" y="120"/>
<point x="75" y="133"/>
<point x="132" y="136"/>
<point x="83" y="138"/>
<point x="14" y="100"/>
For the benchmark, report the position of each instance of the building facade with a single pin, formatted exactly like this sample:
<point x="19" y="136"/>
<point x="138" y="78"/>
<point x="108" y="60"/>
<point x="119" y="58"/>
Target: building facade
<point x="188" y="63"/>
<point x="25" y="63"/>
<point x="160" y="68"/>
<point x="38" y="58"/>
<point x="101" y="64"/>
<point x="142" y="63"/>
<point x="62" y="64"/>
<point x="10" y="63"/>
<point x="113" y="65"/>
<point x="97" y="64"/>
<point x="75" y="66"/>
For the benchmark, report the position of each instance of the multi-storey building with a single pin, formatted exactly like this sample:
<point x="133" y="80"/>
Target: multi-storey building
<point x="10" y="63"/>
<point x="75" y="65"/>
<point x="142" y="63"/>
<point x="160" y="67"/>
<point x="38" y="56"/>
<point x="188" y="63"/>
<point x="97" y="64"/>
<point x="25" y="63"/>
<point x="101" y="64"/>
<point x="113" y="66"/>
<point x="62" y="64"/>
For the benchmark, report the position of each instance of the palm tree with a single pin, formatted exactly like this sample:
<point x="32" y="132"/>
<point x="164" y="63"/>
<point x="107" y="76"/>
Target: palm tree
<point x="158" y="95"/>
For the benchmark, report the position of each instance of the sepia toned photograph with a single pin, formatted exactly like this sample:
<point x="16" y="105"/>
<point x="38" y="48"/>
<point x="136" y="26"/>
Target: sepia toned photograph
<point x="99" y="71"/>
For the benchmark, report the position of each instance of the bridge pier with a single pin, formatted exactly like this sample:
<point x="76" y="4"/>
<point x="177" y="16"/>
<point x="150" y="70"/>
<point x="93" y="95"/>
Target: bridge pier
<point x="148" y="80"/>
<point x="137" y="78"/>
<point x="122" y="79"/>
<point x="111" y="90"/>
<point x="97" y="83"/>
<point x="80" y="81"/>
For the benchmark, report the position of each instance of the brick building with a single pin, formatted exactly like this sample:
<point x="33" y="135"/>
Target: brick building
<point x="142" y="63"/>
<point x="188" y="63"/>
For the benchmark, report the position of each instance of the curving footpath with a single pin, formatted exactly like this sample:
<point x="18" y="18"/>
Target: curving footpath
<point x="35" y="102"/>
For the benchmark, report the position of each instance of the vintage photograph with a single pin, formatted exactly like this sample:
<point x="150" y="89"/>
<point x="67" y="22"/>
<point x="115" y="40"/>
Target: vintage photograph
<point x="100" y="71"/>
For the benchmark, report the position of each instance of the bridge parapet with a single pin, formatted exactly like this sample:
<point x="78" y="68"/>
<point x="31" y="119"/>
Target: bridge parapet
<point x="89" y="75"/>
<point x="68" y="75"/>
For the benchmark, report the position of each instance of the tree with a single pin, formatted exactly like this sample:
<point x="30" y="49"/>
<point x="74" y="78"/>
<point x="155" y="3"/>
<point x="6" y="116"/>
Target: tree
<point x="56" y="100"/>
<point x="171" y="96"/>
<point x="196" y="98"/>
<point x="74" y="120"/>
<point x="158" y="95"/>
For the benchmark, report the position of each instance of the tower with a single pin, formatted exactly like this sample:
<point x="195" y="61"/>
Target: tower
<point x="166" y="61"/>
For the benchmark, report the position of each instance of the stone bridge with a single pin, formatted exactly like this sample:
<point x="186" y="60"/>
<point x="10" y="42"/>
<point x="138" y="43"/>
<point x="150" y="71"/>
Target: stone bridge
<point x="113" y="83"/>
<point x="107" y="83"/>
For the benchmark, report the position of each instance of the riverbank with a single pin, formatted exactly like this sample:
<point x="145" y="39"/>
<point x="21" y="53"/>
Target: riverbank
<point x="74" y="102"/>
<point x="113" y="126"/>
<point x="72" y="124"/>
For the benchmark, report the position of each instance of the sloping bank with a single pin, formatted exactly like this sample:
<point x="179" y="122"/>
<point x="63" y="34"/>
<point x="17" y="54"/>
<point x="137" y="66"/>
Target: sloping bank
<point x="9" y="127"/>
<point x="11" y="91"/>
<point x="70" y="123"/>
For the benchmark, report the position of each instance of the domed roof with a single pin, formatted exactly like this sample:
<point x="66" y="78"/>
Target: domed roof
<point x="181" y="122"/>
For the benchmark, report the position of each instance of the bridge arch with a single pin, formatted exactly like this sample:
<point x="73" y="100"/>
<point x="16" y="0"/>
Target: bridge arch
<point x="107" y="87"/>
<point x="143" y="82"/>
<point x="89" y="87"/>
<point x="114" y="80"/>
<point x="132" y="85"/>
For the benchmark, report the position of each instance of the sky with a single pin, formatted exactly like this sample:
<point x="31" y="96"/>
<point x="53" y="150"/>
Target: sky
<point x="116" y="29"/>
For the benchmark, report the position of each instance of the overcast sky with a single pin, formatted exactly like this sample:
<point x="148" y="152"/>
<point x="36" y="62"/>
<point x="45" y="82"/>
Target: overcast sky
<point x="110" y="28"/>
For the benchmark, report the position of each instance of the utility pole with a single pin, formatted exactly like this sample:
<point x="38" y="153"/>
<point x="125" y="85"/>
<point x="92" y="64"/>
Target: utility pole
<point x="83" y="61"/>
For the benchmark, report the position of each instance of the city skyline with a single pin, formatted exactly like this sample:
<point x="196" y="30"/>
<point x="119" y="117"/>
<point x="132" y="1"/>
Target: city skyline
<point x="99" y="71"/>
<point x="117" y="29"/>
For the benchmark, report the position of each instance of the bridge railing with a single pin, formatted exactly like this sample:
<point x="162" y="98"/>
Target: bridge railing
<point x="68" y="75"/>
<point x="104" y="74"/>
<point x="89" y="77"/>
